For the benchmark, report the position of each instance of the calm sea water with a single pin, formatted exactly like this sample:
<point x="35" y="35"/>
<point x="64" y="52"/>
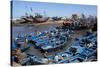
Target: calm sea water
<point x="31" y="29"/>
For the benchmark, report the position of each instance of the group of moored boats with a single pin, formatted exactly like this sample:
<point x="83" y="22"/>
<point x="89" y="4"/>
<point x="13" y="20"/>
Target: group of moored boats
<point x="46" y="41"/>
<point x="82" y="50"/>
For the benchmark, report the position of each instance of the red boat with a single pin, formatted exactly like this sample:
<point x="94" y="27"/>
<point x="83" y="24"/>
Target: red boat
<point x="67" y="23"/>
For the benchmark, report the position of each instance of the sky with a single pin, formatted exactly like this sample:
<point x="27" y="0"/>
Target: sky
<point x="19" y="8"/>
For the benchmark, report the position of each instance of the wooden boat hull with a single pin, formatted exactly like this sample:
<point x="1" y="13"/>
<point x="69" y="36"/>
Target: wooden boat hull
<point x="40" y="20"/>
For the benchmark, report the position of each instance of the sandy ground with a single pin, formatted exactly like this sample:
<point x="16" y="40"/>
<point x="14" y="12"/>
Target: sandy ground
<point x="49" y="22"/>
<point x="57" y="23"/>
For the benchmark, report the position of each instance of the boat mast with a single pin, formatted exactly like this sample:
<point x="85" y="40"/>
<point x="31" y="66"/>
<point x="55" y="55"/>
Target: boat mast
<point x="26" y="14"/>
<point x="45" y="14"/>
<point x="31" y="11"/>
